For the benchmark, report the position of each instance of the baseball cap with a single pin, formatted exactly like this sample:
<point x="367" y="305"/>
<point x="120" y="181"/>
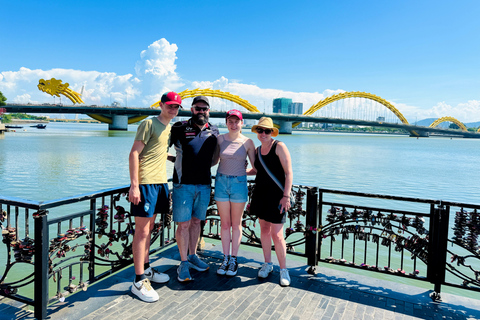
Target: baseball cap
<point x="172" y="98"/>
<point x="200" y="98"/>
<point x="235" y="113"/>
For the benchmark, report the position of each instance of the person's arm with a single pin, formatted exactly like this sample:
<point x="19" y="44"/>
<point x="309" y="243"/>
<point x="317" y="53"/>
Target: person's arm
<point x="216" y="154"/>
<point x="171" y="141"/>
<point x="171" y="157"/>
<point x="133" y="165"/>
<point x="286" y="161"/>
<point x="251" y="156"/>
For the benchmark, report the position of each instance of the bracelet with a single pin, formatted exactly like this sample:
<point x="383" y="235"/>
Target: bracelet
<point x="286" y="196"/>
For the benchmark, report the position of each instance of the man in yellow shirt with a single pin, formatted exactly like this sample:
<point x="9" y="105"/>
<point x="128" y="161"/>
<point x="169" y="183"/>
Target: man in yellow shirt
<point x="149" y="191"/>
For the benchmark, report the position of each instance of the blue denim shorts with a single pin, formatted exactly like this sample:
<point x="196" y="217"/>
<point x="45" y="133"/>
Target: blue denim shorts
<point x="153" y="199"/>
<point x="231" y="188"/>
<point x="190" y="200"/>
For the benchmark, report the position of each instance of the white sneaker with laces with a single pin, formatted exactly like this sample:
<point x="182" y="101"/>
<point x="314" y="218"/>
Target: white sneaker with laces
<point x="265" y="270"/>
<point x="284" y="278"/>
<point x="143" y="290"/>
<point x="156" y="276"/>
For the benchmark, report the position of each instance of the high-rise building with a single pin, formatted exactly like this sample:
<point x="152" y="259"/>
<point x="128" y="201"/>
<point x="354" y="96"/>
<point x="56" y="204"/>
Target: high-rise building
<point x="282" y="105"/>
<point x="297" y="108"/>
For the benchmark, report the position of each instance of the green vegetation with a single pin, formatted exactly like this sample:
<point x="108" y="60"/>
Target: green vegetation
<point x="7" y="118"/>
<point x="2" y="99"/>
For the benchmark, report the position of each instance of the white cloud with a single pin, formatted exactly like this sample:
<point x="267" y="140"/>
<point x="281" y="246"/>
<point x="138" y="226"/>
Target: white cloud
<point x="259" y="97"/>
<point x="155" y="73"/>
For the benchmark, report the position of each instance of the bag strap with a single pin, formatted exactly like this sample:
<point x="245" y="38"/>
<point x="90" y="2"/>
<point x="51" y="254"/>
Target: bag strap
<point x="267" y="170"/>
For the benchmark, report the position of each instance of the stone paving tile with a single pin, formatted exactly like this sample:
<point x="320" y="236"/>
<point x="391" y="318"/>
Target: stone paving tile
<point x="245" y="296"/>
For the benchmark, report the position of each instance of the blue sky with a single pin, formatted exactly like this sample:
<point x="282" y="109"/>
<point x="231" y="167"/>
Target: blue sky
<point x="423" y="56"/>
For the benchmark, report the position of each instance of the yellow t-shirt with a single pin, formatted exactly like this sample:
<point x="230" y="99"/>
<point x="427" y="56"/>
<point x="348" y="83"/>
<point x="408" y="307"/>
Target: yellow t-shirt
<point x="155" y="135"/>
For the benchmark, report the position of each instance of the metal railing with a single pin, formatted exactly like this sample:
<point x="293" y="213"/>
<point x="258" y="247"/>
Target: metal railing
<point x="377" y="233"/>
<point x="68" y="252"/>
<point x="396" y="236"/>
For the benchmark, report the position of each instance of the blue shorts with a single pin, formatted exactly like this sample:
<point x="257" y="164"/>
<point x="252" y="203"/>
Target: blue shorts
<point x="231" y="188"/>
<point x="190" y="200"/>
<point x="153" y="199"/>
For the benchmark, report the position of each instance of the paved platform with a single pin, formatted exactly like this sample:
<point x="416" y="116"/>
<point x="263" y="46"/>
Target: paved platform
<point x="330" y="294"/>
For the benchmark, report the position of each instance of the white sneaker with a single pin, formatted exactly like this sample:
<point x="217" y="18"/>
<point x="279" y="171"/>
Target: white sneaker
<point x="284" y="278"/>
<point x="156" y="276"/>
<point x="144" y="291"/>
<point x="265" y="270"/>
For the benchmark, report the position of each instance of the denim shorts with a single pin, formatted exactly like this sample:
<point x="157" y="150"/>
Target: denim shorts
<point x="190" y="200"/>
<point x="231" y="188"/>
<point x="153" y="199"/>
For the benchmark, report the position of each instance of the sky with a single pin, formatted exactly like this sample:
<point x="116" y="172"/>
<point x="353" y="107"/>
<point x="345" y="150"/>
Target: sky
<point x="421" y="56"/>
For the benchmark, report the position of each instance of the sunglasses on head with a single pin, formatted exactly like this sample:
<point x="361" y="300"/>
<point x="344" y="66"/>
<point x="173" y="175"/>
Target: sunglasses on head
<point x="204" y="109"/>
<point x="267" y="131"/>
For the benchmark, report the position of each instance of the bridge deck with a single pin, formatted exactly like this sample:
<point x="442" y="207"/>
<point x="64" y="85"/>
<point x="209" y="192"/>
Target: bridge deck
<point x="331" y="294"/>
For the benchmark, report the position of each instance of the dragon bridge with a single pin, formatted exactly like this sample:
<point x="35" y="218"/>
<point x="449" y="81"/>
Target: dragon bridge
<point x="217" y="94"/>
<point x="353" y="94"/>
<point x="449" y="119"/>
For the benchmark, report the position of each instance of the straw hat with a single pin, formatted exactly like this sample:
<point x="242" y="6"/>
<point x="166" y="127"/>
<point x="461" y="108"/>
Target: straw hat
<point x="267" y="123"/>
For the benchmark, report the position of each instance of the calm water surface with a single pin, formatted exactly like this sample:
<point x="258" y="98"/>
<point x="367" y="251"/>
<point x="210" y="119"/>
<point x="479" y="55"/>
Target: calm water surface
<point x="68" y="159"/>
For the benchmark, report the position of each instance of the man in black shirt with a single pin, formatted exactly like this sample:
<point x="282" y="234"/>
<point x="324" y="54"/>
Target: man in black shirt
<point x="195" y="142"/>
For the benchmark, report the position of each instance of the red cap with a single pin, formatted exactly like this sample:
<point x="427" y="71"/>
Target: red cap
<point x="172" y="98"/>
<point x="235" y="113"/>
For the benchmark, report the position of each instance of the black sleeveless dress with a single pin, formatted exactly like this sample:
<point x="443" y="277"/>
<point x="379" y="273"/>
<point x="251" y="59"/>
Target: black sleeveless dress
<point x="267" y="195"/>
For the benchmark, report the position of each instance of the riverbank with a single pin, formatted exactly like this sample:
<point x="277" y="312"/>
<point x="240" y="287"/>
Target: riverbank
<point x="27" y="121"/>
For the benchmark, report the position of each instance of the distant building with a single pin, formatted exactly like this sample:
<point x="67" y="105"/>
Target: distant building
<point x="286" y="106"/>
<point x="297" y="108"/>
<point x="381" y="119"/>
<point x="282" y="105"/>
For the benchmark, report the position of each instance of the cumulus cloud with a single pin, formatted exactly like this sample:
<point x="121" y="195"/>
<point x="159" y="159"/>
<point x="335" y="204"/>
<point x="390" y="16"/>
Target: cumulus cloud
<point x="155" y="73"/>
<point x="260" y="97"/>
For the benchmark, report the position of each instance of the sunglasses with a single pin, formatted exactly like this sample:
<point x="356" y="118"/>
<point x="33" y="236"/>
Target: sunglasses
<point x="204" y="109"/>
<point x="267" y="131"/>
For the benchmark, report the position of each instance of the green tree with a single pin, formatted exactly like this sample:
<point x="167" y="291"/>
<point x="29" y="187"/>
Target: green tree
<point x="2" y="99"/>
<point x="454" y="126"/>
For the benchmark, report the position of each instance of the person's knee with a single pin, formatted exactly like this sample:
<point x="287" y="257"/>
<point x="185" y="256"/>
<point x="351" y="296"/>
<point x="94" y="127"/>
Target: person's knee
<point x="195" y="221"/>
<point x="277" y="237"/>
<point x="226" y="225"/>
<point x="182" y="226"/>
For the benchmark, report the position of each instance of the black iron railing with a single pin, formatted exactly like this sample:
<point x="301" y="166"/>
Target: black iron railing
<point x="67" y="252"/>
<point x="397" y="236"/>
<point x="60" y="253"/>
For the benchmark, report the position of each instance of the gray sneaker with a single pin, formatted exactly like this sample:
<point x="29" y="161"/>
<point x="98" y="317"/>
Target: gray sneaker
<point x="196" y="263"/>
<point x="184" y="272"/>
<point x="265" y="270"/>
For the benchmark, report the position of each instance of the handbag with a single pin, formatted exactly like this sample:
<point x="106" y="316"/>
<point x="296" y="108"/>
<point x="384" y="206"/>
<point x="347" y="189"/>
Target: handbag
<point x="292" y="197"/>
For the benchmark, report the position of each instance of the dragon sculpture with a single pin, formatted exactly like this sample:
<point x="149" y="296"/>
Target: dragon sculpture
<point x="55" y="87"/>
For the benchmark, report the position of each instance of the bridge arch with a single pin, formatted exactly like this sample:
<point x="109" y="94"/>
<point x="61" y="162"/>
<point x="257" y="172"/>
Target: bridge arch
<point x="353" y="94"/>
<point x="108" y="118"/>
<point x="449" y="119"/>
<point x="214" y="93"/>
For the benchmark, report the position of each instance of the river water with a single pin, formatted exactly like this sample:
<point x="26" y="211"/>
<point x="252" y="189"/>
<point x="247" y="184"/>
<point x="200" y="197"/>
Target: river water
<point x="67" y="159"/>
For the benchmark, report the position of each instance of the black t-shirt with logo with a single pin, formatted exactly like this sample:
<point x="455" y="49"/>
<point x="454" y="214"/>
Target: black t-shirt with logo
<point x="195" y="149"/>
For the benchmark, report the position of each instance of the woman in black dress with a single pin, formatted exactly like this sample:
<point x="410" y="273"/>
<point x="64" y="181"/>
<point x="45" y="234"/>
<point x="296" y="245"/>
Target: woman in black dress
<point x="269" y="202"/>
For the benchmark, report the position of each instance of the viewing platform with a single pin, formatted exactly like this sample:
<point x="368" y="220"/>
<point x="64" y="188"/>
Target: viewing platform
<point x="348" y="258"/>
<point x="329" y="294"/>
